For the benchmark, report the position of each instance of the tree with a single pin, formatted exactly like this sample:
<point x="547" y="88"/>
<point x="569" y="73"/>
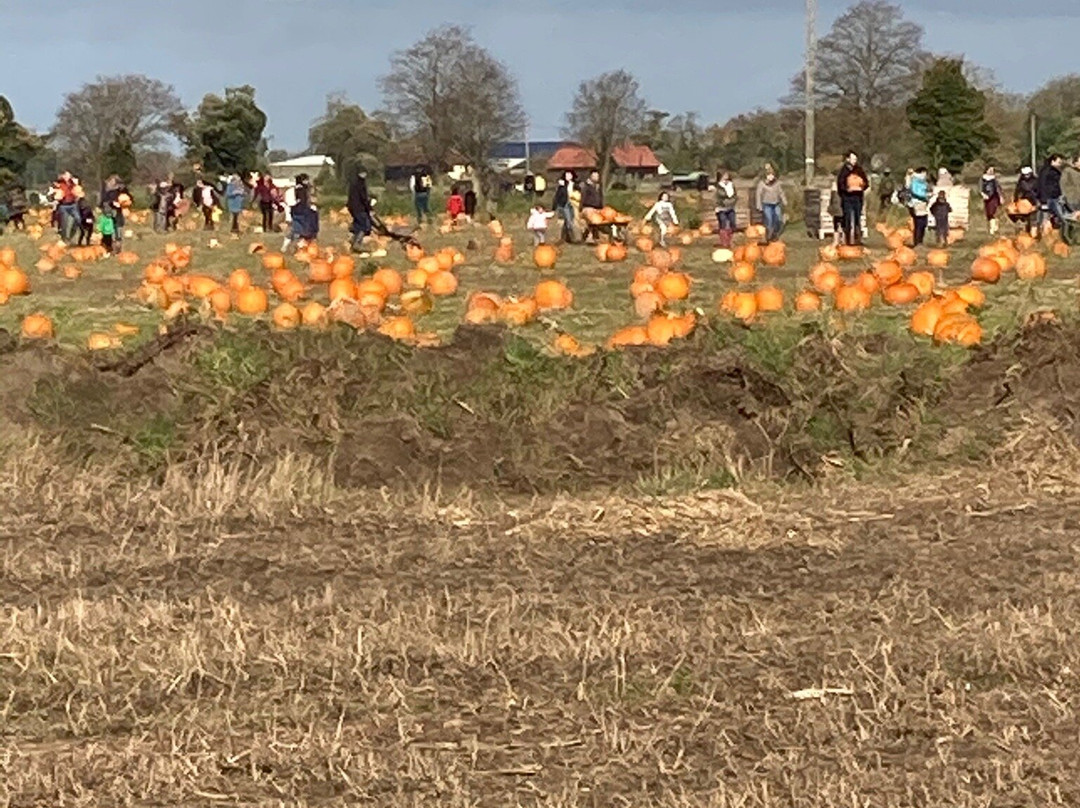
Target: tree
<point x="606" y="112"/>
<point x="867" y="65"/>
<point x="949" y="114"/>
<point x="89" y="119"/>
<point x="1057" y="110"/>
<point x="349" y="135"/>
<point x="451" y="95"/>
<point x="119" y="157"/>
<point x="18" y="145"/>
<point x="225" y="135"/>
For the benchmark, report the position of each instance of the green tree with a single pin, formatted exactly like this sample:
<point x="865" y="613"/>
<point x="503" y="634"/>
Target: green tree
<point x="949" y="115"/>
<point x="607" y="111"/>
<point x="18" y="145"/>
<point x="350" y="136"/>
<point x="225" y="134"/>
<point x="1056" y="107"/>
<point x="119" y="157"/>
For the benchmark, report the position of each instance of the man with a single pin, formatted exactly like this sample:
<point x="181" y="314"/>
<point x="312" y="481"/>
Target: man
<point x="67" y="205"/>
<point x="563" y="206"/>
<point x="592" y="200"/>
<point x="851" y="184"/>
<point x="1050" y="197"/>
<point x="1070" y="184"/>
<point x="359" y="205"/>
<point x="420" y="184"/>
<point x="886" y="190"/>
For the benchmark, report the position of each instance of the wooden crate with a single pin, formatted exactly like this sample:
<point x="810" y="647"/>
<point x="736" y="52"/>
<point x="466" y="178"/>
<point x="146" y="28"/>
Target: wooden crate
<point x="959" y="198"/>
<point x="819" y="223"/>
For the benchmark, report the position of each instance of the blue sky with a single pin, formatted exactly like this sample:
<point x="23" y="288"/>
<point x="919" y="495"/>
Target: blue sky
<point x="711" y="56"/>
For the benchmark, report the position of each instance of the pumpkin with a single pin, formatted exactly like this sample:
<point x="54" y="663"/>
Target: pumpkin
<point x="986" y="270"/>
<point x="320" y="271"/>
<point x="544" y="256"/>
<point x="774" y="254"/>
<point x="869" y="282"/>
<point x="414" y="252"/>
<point x="616" y="253"/>
<point x="416" y="301"/>
<point x="852" y="298"/>
<point x="900" y="294"/>
<point x="239" y="280"/>
<point x="201" y="286"/>
<point x="755" y="232"/>
<point x="442" y="283"/>
<point x="127" y="258"/>
<point x="570" y="346"/>
<point x="825" y="278"/>
<point x="97" y="341"/>
<point x="660" y="329"/>
<point x="428" y="265"/>
<point x="291" y="291"/>
<point x="518" y="311"/>
<point x="45" y="265"/>
<point x="1061" y="249"/>
<point x="630" y="336"/>
<point x="924" y="319"/>
<point x="416" y="278"/>
<point x="72" y="271"/>
<point x="445" y="259"/>
<point x="389" y="279"/>
<point x="252" y="300"/>
<point x="638" y="288"/>
<point x="550" y="295"/>
<point x="972" y="295"/>
<point x="828" y="253"/>
<point x="286" y="316"/>
<point x="807" y="301"/>
<point x="125" y="329"/>
<point x="939" y="259"/>
<point x="644" y="244"/>
<point x="722" y="255"/>
<point x="850" y="252"/>
<point x="674" y="286"/>
<point x="399" y="328"/>
<point x="648" y="303"/>
<point x="1030" y="266"/>
<point x="751" y="253"/>
<point x="905" y="256"/>
<point x="647" y="274"/>
<point x="37" y="326"/>
<point x="1025" y="241"/>
<point x="14" y="282"/>
<point x="342" y="288"/>
<point x="961" y="329"/>
<point x="220" y="301"/>
<point x="923" y="281"/>
<point x="661" y="259"/>
<point x="743" y="272"/>
<point x="174" y="288"/>
<point x="769" y="298"/>
<point x="7" y="256"/>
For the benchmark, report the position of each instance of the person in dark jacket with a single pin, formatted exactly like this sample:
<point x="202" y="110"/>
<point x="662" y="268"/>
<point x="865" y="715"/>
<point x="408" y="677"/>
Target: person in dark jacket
<point x="86" y="220"/>
<point x="420" y="183"/>
<point x="990" y="191"/>
<point x="359" y="205"/>
<point x="886" y="189"/>
<point x="470" y="202"/>
<point x="1027" y="190"/>
<point x="263" y="193"/>
<point x="1050" y="202"/>
<point x="592" y="200"/>
<point x="851" y="184"/>
<point x="206" y="198"/>
<point x="115" y="202"/>
<point x="564" y="207"/>
<point x="726" y="196"/>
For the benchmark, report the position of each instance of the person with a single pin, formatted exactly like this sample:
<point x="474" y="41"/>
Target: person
<point x="455" y="204"/>
<point x="990" y="191"/>
<point x="106" y="225"/>
<point x="263" y="193"/>
<point x="1027" y="189"/>
<point x="235" y="198"/>
<point x="540" y="185"/>
<point x="726" y="196"/>
<point x="115" y="201"/>
<point x="205" y="198"/>
<point x="837" y="214"/>
<point x="1049" y="184"/>
<point x="944" y="179"/>
<point x="563" y="206"/>
<point x="305" y="217"/>
<point x="1070" y="185"/>
<point x="919" y="204"/>
<point x="160" y="202"/>
<point x="67" y="210"/>
<point x="177" y="205"/>
<point x="86" y="220"/>
<point x="771" y="201"/>
<point x="469" y="200"/>
<point x="940" y="210"/>
<point x="359" y="207"/>
<point x="538" y="223"/>
<point x="886" y="190"/>
<point x="592" y="200"/>
<point x="663" y="213"/>
<point x="420" y="184"/>
<point x="18" y="206"/>
<point x="852" y="183"/>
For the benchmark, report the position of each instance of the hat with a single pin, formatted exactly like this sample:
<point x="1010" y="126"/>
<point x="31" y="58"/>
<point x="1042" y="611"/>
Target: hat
<point x="1026" y="170"/>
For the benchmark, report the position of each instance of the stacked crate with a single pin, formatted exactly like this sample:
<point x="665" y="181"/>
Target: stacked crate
<point x="819" y="223"/>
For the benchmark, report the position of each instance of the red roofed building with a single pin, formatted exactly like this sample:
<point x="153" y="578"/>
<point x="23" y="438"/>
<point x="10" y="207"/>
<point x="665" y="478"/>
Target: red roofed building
<point x="628" y="160"/>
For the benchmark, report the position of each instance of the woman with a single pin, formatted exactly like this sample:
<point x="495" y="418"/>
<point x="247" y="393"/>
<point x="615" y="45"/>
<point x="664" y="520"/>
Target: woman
<point x="919" y="204"/>
<point x="771" y="202"/>
<point x="563" y="206"/>
<point x="726" y="196"/>
<point x="206" y="198"/>
<point x="115" y="201"/>
<point x="305" y="218"/>
<point x="990" y="190"/>
<point x="359" y="206"/>
<point x="264" y="197"/>
<point x="1027" y="189"/>
<point x="235" y="197"/>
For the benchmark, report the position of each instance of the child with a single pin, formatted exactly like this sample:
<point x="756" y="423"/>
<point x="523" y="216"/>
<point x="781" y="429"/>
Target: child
<point x="86" y="221"/>
<point x="455" y="204"/>
<point x="663" y="213"/>
<point x="940" y="210"/>
<point x="107" y="227"/>
<point x="538" y="222"/>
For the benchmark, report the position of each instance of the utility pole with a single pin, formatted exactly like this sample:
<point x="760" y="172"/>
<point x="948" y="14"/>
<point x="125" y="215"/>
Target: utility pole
<point x="811" y="59"/>
<point x="1034" y="150"/>
<point x="528" y="166"/>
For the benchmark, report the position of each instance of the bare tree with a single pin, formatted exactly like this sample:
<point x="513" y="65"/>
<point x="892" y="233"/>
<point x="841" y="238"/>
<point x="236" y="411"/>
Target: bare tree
<point x="88" y="120"/>
<point x="869" y="65"/>
<point x="607" y="110"/>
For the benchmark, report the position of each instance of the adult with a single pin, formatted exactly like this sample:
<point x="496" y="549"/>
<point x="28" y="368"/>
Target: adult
<point x="179" y="205"/>
<point x="1070" y="185"/>
<point x="420" y="184"/>
<point x="771" y="202"/>
<point x="1050" y="196"/>
<point x="470" y="202"/>
<point x="235" y="199"/>
<point x="206" y="199"/>
<point x="563" y="205"/>
<point x="886" y="190"/>
<point x="851" y="184"/>
<point x="161" y="202"/>
<point x="18" y="206"/>
<point x="305" y="217"/>
<point x="67" y="200"/>
<point x="944" y="179"/>
<point x="990" y="191"/>
<point x="264" y="193"/>
<point x="1027" y="190"/>
<point x="726" y="196"/>
<point x="592" y="200"/>
<point x="359" y="206"/>
<point x="919" y="204"/>
<point x="115" y="202"/>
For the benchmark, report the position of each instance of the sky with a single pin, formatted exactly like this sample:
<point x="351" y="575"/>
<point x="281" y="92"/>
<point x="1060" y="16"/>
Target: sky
<point x="715" y="57"/>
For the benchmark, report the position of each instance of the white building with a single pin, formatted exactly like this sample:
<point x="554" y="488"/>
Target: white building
<point x="310" y="164"/>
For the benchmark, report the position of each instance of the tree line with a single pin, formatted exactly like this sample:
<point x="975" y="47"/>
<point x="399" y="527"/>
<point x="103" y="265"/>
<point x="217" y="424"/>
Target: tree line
<point x="878" y="91"/>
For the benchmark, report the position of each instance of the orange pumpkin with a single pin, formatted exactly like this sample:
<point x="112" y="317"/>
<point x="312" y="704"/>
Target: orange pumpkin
<point x="442" y="283"/>
<point x="807" y="301"/>
<point x="648" y="303"/>
<point x="37" y="326"/>
<point x="986" y="270"/>
<point x="7" y="256"/>
<point x="320" y="271"/>
<point x="518" y="311"/>
<point x="313" y="315"/>
<point x="252" y="300"/>
<point x="644" y="244"/>
<point x="342" y="288"/>
<point x="852" y="298"/>
<point x="900" y="294"/>
<point x="743" y="272"/>
<point x="825" y="278"/>
<point x="923" y="281"/>
<point x="632" y="335"/>
<point x="14" y="282"/>
<point x="888" y="272"/>
<point x="774" y="254"/>
<point x="220" y="301"/>
<point x="924" y="319"/>
<point x="551" y="295"/>
<point x="674" y="286"/>
<point x="342" y="267"/>
<point x="389" y="279"/>
<point x="544" y="256"/>
<point x="399" y="328"/>
<point x="972" y="295"/>
<point x="416" y="278"/>
<point x="1030" y="266"/>
<point x="661" y="259"/>
<point x="286" y="316"/>
<point x="272" y="261"/>
<point x="769" y="298"/>
<point x="939" y="259"/>
<point x="239" y="280"/>
<point x="869" y="282"/>
<point x="850" y="252"/>
<point x="660" y="329"/>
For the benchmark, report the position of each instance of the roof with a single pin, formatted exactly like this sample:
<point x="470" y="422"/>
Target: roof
<point x="407" y="155"/>
<point x="306" y="161"/>
<point x="572" y="156"/>
<point x="515" y="150"/>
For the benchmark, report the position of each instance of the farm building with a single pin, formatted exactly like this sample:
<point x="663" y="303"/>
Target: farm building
<point x="310" y="164"/>
<point x="511" y="156"/>
<point x="628" y="160"/>
<point x="401" y="163"/>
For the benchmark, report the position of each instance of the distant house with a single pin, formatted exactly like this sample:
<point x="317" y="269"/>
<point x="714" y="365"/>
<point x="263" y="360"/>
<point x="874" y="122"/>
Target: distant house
<point x="310" y="164"/>
<point x="402" y="162"/>
<point x="637" y="162"/>
<point x="511" y="156"/>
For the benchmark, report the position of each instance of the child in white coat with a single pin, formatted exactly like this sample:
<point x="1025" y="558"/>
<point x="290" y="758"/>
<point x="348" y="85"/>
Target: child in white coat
<point x="538" y="223"/>
<point x="663" y="213"/>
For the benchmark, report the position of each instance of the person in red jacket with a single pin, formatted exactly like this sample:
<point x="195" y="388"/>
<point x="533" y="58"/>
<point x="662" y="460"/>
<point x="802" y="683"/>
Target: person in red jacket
<point x="455" y="204"/>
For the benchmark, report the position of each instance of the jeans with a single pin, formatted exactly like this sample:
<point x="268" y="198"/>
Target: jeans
<point x="773" y="221"/>
<point x="852" y="208"/>
<point x="267" y="210"/>
<point x="919" y="228"/>
<point x="1055" y="209"/>
<point x="725" y="222"/>
<point x="566" y="213"/>
<point x="69" y="221"/>
<point x="423" y="207"/>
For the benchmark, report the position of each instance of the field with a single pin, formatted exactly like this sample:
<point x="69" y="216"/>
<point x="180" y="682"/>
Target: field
<point x="816" y="560"/>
